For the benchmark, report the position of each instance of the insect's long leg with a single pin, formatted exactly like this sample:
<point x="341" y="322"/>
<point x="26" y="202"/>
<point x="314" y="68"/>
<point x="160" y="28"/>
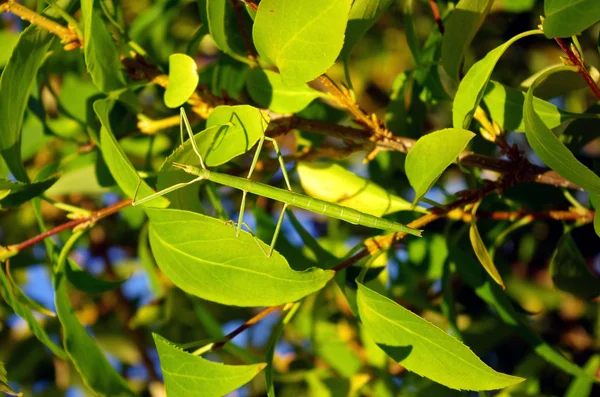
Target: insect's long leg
<point x="277" y="228"/>
<point x="159" y="193"/>
<point x="281" y="163"/>
<point x="184" y="120"/>
<point x="253" y="236"/>
<point x="245" y="193"/>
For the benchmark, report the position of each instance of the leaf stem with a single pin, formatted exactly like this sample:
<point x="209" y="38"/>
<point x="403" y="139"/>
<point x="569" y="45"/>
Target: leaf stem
<point x="581" y="69"/>
<point x="227" y="338"/>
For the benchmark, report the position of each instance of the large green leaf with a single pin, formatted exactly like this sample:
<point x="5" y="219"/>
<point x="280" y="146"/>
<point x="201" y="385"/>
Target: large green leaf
<point x="302" y="38"/>
<point x="363" y="14"/>
<point x="472" y="87"/>
<point x="460" y="29"/>
<point x="4" y="387"/>
<point x="185" y="373"/>
<point x="118" y="164"/>
<point x="13" y="194"/>
<point x="505" y="105"/>
<point x="551" y="150"/>
<point x="334" y="183"/>
<point x="266" y="88"/>
<point x="225" y="30"/>
<point x="102" y="57"/>
<point x="569" y="271"/>
<point x="9" y="41"/>
<point x="431" y="155"/>
<point x="423" y="348"/>
<point x="565" y="18"/>
<point x="183" y="79"/>
<point x="203" y="256"/>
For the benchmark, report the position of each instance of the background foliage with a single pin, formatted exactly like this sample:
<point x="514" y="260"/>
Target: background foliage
<point x="462" y="119"/>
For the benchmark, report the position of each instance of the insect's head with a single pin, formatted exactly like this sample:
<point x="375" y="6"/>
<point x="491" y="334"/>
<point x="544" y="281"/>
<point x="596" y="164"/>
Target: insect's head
<point x="190" y="169"/>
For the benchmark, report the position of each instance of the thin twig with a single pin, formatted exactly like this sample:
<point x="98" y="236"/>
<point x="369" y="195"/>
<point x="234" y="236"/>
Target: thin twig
<point x="245" y="326"/>
<point x="436" y="15"/>
<point x="576" y="61"/>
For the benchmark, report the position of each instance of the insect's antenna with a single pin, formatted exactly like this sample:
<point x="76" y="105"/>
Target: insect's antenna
<point x="183" y="119"/>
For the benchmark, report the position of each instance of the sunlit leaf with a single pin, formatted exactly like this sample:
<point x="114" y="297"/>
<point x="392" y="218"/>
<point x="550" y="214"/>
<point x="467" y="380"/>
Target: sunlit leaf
<point x="184" y="372"/>
<point x="118" y="164"/>
<point x="183" y="79"/>
<point x="570" y="272"/>
<point x="308" y="39"/>
<point x="553" y="152"/>
<point x="86" y="282"/>
<point x="423" y="348"/>
<point x="13" y="194"/>
<point x="102" y="57"/>
<point x="203" y="256"/>
<point x="431" y="155"/>
<point x="266" y="88"/>
<point x="4" y="387"/>
<point x="565" y="18"/>
<point x="363" y="14"/>
<point x="334" y="183"/>
<point x="483" y="255"/>
<point x="472" y="87"/>
<point x="460" y="29"/>
<point x="9" y="41"/>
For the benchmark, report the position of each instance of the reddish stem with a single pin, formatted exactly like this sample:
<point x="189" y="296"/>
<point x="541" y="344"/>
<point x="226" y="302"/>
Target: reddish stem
<point x="576" y="61"/>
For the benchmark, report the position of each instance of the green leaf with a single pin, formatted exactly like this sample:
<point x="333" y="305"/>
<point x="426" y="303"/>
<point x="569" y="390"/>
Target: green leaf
<point x="4" y="387"/>
<point x="116" y="161"/>
<point x="334" y="183"/>
<point x="569" y="271"/>
<point x="505" y="105"/>
<point x="431" y="155"/>
<point x="233" y="270"/>
<point x="551" y="150"/>
<point x="396" y="114"/>
<point x="581" y="386"/>
<point x="25" y="300"/>
<point x="102" y="57"/>
<point x="565" y="18"/>
<point x="9" y="41"/>
<point x="472" y="87"/>
<point x="266" y="88"/>
<point x="423" y="348"/>
<point x="224" y="28"/>
<point x="95" y="370"/>
<point x="185" y="372"/>
<point x="460" y="29"/>
<point x="559" y="83"/>
<point x="84" y="281"/>
<point x="363" y="14"/>
<point x="483" y="255"/>
<point x="302" y="38"/>
<point x="272" y="344"/>
<point x="183" y="80"/>
<point x="596" y="203"/>
<point x="13" y="194"/>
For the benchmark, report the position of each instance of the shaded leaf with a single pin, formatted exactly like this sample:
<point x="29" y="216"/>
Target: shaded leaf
<point x="272" y="343"/>
<point x="24" y="299"/>
<point x="334" y="183"/>
<point x="569" y="271"/>
<point x="565" y="18"/>
<point x="363" y="14"/>
<point x="266" y="88"/>
<point x="13" y="194"/>
<point x="203" y="256"/>
<point x="308" y="39"/>
<point x="185" y="372"/>
<point x="553" y="152"/>
<point x="423" y="348"/>
<point x="396" y="114"/>
<point x="183" y="80"/>
<point x="582" y="385"/>
<point x="559" y="83"/>
<point x="596" y="203"/>
<point x="4" y="387"/>
<point x="483" y="255"/>
<point x="86" y="282"/>
<point x="472" y="87"/>
<point x="460" y="29"/>
<point x="102" y="57"/>
<point x="224" y="28"/>
<point x="431" y="155"/>
<point x="118" y="164"/>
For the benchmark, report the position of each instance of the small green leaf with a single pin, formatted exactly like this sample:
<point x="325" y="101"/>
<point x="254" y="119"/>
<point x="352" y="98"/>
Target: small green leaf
<point x="233" y="270"/>
<point x="460" y="29"/>
<point x="102" y="57"/>
<point x="423" y="348"/>
<point x="569" y="271"/>
<point x="472" y="87"/>
<point x="582" y="385"/>
<point x="302" y="38"/>
<point x="431" y="155"/>
<point x="185" y="372"/>
<point x="266" y="88"/>
<point x="84" y="281"/>
<point x="118" y="164"/>
<point x="596" y="203"/>
<point x="183" y="80"/>
<point x="565" y="18"/>
<point x="551" y="150"/>
<point x="13" y="194"/>
<point x="505" y="105"/>
<point x="363" y="14"/>
<point x="334" y="183"/>
<point x="483" y="255"/>
<point x="4" y="387"/>
<point x="223" y="24"/>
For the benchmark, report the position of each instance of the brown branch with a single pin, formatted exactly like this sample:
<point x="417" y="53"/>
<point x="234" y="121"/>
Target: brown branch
<point x="581" y="69"/>
<point x="245" y="326"/>
<point x="66" y="35"/>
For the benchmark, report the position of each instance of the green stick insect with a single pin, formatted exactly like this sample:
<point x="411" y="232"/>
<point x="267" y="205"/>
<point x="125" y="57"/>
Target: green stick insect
<point x="287" y="197"/>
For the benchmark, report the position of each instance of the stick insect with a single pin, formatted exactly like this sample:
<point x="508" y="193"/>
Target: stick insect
<point x="287" y="197"/>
